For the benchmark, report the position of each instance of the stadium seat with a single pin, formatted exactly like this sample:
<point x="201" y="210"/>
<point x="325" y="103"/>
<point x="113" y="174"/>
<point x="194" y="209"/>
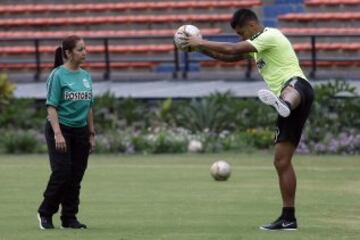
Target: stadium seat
<point x="150" y="65"/>
<point x="92" y="49"/>
<point x="221" y="64"/>
<point x="21" y="22"/>
<point x="327" y="64"/>
<point x="328" y="46"/>
<point x="23" y="66"/>
<point x="124" y="6"/>
<point x="91" y="65"/>
<point x="279" y="2"/>
<point x="331" y="2"/>
<point x="319" y="31"/>
<point x="305" y="63"/>
<point x="121" y="65"/>
<point x="97" y="34"/>
<point x="323" y="16"/>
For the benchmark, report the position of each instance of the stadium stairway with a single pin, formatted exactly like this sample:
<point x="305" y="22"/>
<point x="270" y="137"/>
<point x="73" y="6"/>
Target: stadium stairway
<point x="279" y="7"/>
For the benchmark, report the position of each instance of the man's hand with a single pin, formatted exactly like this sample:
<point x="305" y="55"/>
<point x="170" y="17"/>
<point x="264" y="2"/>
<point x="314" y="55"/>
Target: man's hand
<point x="191" y="42"/>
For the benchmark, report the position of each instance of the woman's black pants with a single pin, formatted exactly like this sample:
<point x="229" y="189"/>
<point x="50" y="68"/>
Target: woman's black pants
<point x="67" y="171"/>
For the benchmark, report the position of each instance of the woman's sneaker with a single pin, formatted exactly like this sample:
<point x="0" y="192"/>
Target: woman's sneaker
<point x="269" y="98"/>
<point x="72" y="223"/>
<point x="45" y="223"/>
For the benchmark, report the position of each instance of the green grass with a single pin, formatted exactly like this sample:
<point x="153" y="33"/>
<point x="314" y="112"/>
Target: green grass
<point x="173" y="197"/>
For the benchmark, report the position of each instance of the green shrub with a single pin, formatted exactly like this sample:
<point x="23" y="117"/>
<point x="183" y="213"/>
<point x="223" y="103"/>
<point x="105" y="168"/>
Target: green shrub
<point x="19" y="141"/>
<point x="6" y="90"/>
<point x="105" y="114"/>
<point x="23" y="113"/>
<point x="251" y="113"/>
<point x="220" y="122"/>
<point x="209" y="113"/>
<point x="258" y="138"/>
<point x="336" y="109"/>
<point x="161" y="141"/>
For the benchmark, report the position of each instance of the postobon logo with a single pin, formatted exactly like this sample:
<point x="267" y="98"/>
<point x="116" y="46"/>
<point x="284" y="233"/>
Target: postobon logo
<point x="260" y="63"/>
<point x="75" y="96"/>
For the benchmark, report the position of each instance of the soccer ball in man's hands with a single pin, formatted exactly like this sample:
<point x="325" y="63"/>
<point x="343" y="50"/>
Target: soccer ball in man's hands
<point x="220" y="170"/>
<point x="189" y="30"/>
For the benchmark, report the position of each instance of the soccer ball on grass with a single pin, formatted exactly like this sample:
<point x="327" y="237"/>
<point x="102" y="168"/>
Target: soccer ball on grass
<point x="220" y="170"/>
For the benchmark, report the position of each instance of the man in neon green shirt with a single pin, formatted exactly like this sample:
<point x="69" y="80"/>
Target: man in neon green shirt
<point x="290" y="94"/>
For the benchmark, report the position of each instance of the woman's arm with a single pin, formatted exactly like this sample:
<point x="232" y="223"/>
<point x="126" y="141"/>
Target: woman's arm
<point x="91" y="129"/>
<point x="53" y="118"/>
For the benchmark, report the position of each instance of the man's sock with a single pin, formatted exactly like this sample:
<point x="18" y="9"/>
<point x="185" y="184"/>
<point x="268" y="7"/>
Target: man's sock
<point x="288" y="213"/>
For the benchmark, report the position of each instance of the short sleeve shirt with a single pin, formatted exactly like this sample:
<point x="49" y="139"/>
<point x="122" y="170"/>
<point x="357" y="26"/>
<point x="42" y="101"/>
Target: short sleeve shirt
<point x="275" y="59"/>
<point x="71" y="93"/>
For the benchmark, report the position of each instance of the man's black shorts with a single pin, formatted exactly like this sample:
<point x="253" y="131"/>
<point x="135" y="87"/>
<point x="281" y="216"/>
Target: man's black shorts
<point x="290" y="128"/>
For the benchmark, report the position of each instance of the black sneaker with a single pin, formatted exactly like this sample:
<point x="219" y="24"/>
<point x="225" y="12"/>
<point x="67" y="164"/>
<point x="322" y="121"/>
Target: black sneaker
<point x="280" y="224"/>
<point x="45" y="223"/>
<point x="73" y="223"/>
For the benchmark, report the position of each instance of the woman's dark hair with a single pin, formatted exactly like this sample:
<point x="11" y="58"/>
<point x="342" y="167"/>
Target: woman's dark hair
<point x="69" y="43"/>
<point x="242" y="17"/>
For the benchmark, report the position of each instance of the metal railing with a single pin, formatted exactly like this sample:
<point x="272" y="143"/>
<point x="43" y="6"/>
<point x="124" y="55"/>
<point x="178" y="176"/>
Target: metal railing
<point x="313" y="52"/>
<point x="181" y="61"/>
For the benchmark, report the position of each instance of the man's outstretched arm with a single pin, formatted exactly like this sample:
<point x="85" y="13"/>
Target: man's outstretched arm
<point x="227" y="48"/>
<point x="224" y="57"/>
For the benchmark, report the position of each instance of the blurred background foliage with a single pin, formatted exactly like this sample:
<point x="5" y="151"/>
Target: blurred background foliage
<point x="220" y="122"/>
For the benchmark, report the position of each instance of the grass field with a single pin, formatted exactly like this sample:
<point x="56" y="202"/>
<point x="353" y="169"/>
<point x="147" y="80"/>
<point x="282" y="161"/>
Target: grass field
<point x="173" y="197"/>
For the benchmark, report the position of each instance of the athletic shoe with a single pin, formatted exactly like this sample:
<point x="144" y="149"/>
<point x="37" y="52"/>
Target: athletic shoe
<point x="271" y="99"/>
<point x="45" y="223"/>
<point x="280" y="224"/>
<point x="72" y="223"/>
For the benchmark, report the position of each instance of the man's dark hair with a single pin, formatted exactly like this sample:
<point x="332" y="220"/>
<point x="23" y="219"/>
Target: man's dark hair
<point x="242" y="17"/>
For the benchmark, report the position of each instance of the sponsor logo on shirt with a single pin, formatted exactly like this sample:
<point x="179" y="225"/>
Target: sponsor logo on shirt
<point x="86" y="83"/>
<point x="75" y="96"/>
<point x="260" y="63"/>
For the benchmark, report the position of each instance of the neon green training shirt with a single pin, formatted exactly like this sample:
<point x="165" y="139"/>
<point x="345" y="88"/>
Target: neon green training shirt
<point x="71" y="94"/>
<point x="275" y="59"/>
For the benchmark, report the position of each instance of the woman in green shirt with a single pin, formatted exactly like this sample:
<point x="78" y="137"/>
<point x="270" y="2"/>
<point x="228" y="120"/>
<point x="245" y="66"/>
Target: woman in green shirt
<point x="69" y="133"/>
